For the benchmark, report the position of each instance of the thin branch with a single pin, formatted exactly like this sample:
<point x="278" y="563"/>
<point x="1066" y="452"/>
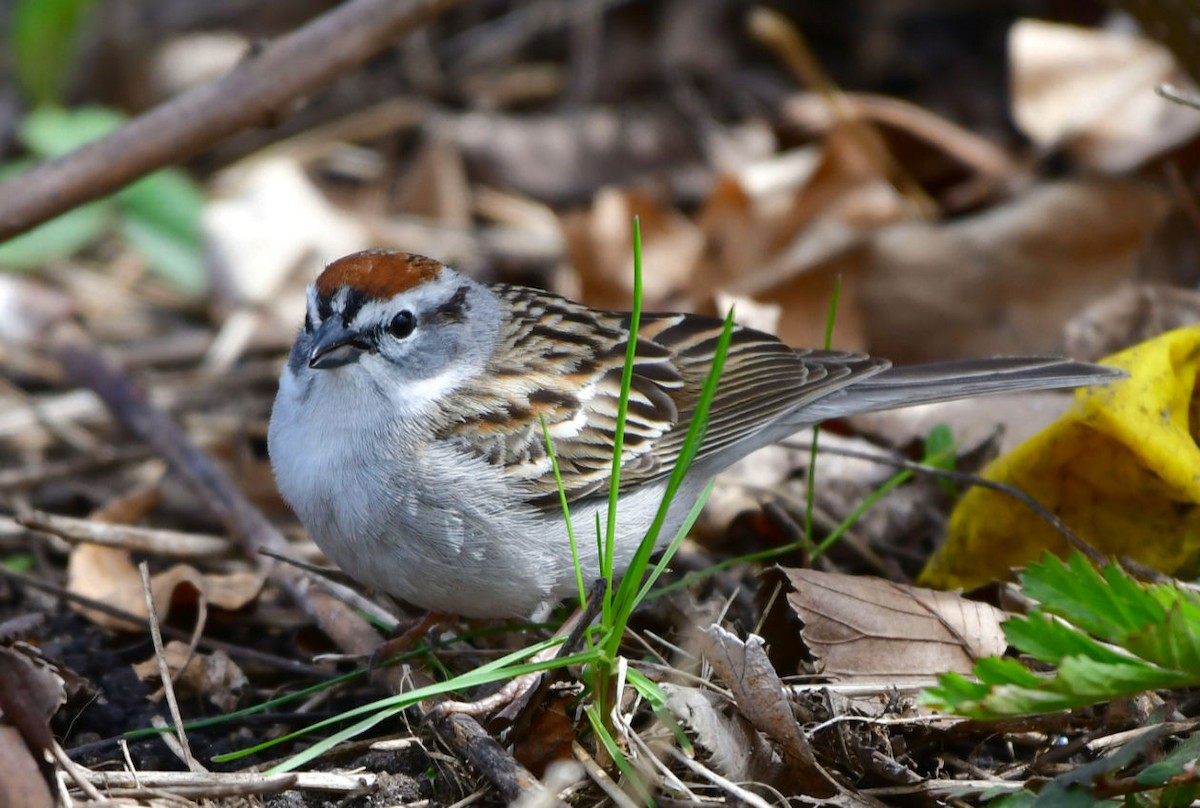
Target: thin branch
<point x="257" y="92"/>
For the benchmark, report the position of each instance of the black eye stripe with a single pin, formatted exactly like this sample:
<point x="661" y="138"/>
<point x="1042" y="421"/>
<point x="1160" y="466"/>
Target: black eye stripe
<point x="354" y="304"/>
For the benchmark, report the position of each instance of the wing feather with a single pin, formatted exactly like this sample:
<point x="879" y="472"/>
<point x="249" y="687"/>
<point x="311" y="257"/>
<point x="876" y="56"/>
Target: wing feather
<point x="561" y="362"/>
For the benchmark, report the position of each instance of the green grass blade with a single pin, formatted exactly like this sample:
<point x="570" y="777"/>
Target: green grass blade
<point x="566" y="509"/>
<point x="635" y="316"/>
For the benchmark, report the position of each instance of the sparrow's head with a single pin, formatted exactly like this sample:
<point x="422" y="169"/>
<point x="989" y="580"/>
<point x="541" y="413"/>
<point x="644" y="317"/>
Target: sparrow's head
<point x="401" y="319"/>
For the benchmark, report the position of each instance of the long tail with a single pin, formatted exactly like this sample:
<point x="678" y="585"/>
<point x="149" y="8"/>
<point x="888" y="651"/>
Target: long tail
<point x="946" y="381"/>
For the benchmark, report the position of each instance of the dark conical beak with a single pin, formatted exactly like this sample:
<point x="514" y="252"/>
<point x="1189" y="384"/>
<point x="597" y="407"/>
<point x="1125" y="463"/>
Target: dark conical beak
<point x="335" y="345"/>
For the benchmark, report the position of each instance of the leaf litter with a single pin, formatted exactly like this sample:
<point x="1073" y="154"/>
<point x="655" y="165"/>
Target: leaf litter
<point x="525" y="161"/>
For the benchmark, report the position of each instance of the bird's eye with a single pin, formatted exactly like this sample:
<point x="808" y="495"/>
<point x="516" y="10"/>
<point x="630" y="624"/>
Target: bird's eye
<point x="402" y="324"/>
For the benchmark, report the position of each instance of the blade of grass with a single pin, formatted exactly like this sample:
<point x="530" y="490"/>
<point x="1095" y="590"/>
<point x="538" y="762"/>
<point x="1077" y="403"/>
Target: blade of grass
<point x="635" y="316"/>
<point x="566" y="509"/>
<point x="631" y="583"/>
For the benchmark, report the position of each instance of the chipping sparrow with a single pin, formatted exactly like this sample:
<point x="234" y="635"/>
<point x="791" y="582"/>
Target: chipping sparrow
<point x="406" y="431"/>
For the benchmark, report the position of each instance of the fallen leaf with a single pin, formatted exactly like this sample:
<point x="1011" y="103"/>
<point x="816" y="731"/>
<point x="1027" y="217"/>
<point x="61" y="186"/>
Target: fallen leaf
<point x="758" y="694"/>
<point x="1119" y="469"/>
<point x="600" y="246"/>
<point x="868" y="629"/>
<point x="213" y="676"/>
<point x="110" y="576"/>
<point x="1003" y="281"/>
<point x="1091" y="92"/>
<point x="1131" y="313"/>
<point x="736" y="750"/>
<point x="29" y="695"/>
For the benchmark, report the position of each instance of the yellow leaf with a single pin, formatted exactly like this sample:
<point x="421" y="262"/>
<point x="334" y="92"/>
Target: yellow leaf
<point x="1121" y="468"/>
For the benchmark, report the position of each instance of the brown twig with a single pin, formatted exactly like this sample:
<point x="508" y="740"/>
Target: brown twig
<point x="255" y="93"/>
<point x="463" y="734"/>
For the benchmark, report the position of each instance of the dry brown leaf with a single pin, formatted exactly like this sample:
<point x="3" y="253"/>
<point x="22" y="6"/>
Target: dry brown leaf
<point x="1092" y="92"/>
<point x="436" y="185"/>
<point x="600" y="245"/>
<point x="564" y="158"/>
<point x="736" y="750"/>
<point x="30" y="693"/>
<point x="213" y="676"/>
<point x="941" y="145"/>
<point x="110" y="576"/>
<point x="21" y="782"/>
<point x="1004" y="281"/>
<point x="861" y="628"/>
<point x="758" y="694"/>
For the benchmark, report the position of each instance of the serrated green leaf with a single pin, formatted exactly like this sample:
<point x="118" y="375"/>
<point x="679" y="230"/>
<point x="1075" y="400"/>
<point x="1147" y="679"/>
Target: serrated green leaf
<point x="1047" y="640"/>
<point x="1005" y="671"/>
<point x="952" y="691"/>
<point x="1094" y="681"/>
<point x="1172" y="643"/>
<point x="1013" y="799"/>
<point x="53" y="131"/>
<point x="1130" y="599"/>
<point x="1054" y="795"/>
<point x="1181" y="760"/>
<point x="1008" y="700"/>
<point x="1076" y="591"/>
<point x="42" y="38"/>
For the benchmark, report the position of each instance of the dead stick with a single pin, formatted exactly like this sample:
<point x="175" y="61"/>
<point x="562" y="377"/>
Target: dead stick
<point x="255" y="93"/>
<point x="463" y="734"/>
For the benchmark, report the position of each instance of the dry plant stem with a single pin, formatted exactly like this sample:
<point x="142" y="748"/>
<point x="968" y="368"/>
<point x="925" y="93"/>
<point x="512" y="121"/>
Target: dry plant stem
<point x="213" y="784"/>
<point x="164" y="670"/>
<point x="163" y="543"/>
<point x="257" y="92"/>
<point x="463" y="734"/>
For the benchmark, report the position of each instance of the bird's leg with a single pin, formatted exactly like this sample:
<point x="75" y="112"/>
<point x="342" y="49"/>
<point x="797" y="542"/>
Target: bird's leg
<point x="406" y="640"/>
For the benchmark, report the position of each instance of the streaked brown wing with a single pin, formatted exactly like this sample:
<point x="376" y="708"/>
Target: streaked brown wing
<point x="561" y="362"/>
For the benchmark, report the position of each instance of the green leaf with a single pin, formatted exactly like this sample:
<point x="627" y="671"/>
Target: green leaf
<point x="941" y="452"/>
<point x="53" y="131"/>
<point x="1047" y="640"/>
<point x="1173" y="642"/>
<point x="168" y="200"/>
<point x="43" y="37"/>
<point x="1180" y="762"/>
<point x="162" y="221"/>
<point x="159" y="215"/>
<point x="1152" y="631"/>
<point x="18" y="562"/>
<point x="58" y="238"/>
